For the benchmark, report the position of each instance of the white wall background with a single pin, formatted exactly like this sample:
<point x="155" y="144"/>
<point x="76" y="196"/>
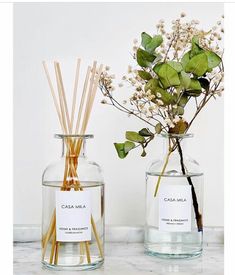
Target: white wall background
<point x="102" y="31"/>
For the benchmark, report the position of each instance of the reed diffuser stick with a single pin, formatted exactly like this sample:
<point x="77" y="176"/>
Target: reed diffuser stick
<point x="75" y="89"/>
<point x="57" y="64"/>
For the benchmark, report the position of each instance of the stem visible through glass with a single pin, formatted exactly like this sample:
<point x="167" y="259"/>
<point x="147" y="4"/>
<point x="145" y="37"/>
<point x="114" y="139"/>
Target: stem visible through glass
<point x="177" y="145"/>
<point x="194" y="196"/>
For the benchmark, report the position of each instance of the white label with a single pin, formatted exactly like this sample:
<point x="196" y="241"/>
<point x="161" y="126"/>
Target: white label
<point x="73" y="216"/>
<point x="175" y="203"/>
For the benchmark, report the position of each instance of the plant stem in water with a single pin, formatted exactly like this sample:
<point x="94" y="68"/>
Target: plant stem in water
<point x="194" y="196"/>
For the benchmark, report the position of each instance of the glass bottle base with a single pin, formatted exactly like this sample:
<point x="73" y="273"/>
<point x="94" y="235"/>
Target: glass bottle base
<point x="172" y="252"/>
<point x="77" y="267"/>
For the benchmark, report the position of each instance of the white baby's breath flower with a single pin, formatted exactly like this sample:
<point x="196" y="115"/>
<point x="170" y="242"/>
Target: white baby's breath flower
<point x="195" y="22"/>
<point x="135" y="41"/>
<point x="148" y="92"/>
<point x="129" y="69"/>
<point x="168" y="36"/>
<point x="159" y="95"/>
<point x="135" y="48"/>
<point x="141" y="106"/>
<point x="183" y="14"/>
<point x="133" y="81"/>
<point x="107" y="68"/>
<point x="120" y="85"/>
<point x="103" y="101"/>
<point x="169" y="123"/>
<point x="220" y="91"/>
<point x="176" y="119"/>
<point x="159" y="102"/>
<point x="151" y="97"/>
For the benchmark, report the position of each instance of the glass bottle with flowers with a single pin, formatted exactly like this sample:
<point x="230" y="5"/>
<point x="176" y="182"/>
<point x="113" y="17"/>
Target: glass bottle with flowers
<point x="174" y="69"/>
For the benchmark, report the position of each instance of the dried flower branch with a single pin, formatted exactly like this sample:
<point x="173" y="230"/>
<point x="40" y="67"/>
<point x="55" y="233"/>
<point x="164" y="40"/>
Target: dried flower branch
<point x="173" y="68"/>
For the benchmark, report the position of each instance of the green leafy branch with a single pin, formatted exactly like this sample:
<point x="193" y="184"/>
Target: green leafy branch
<point x="165" y="83"/>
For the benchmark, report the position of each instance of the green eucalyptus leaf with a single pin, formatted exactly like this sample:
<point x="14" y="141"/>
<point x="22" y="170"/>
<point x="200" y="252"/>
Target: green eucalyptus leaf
<point x="194" y="93"/>
<point x="134" y="136"/>
<point x="158" y="128"/>
<point x="197" y="65"/>
<point x="144" y="75"/>
<point x="120" y="150"/>
<point x="180" y="110"/>
<point x="145" y="132"/>
<point x="185" y="59"/>
<point x="195" y="85"/>
<point x="157" y="67"/>
<point x="183" y="100"/>
<point x="209" y="70"/>
<point x="155" y="42"/>
<point x="145" y="39"/>
<point x="213" y="59"/>
<point x="152" y="85"/>
<point x="166" y="97"/>
<point x="128" y="145"/>
<point x="185" y="80"/>
<point x="168" y="76"/>
<point x="144" y="59"/>
<point x="176" y="65"/>
<point x="194" y="89"/>
<point x="196" y="49"/>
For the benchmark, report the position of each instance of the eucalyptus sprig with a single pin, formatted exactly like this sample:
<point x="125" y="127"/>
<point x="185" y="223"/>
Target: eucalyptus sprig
<point x="173" y="68"/>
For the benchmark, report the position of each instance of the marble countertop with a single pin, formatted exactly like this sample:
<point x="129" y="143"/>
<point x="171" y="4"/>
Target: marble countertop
<point x="123" y="259"/>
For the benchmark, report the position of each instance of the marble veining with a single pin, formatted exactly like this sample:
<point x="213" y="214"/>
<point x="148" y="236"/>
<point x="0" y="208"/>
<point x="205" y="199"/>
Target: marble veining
<point x="125" y="258"/>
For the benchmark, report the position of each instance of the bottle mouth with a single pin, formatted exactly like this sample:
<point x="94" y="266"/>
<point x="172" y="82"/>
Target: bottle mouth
<point x="178" y="136"/>
<point x="63" y="136"/>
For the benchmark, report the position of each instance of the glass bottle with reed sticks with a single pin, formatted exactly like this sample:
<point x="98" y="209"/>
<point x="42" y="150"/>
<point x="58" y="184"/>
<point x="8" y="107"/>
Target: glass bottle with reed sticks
<point x="73" y="189"/>
<point x="174" y="202"/>
<point x="73" y="209"/>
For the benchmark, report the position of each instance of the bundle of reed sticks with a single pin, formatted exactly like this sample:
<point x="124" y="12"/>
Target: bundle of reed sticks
<point x="73" y="146"/>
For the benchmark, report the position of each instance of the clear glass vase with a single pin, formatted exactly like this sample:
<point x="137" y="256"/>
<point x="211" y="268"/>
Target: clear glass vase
<point x="73" y="209"/>
<point x="174" y="202"/>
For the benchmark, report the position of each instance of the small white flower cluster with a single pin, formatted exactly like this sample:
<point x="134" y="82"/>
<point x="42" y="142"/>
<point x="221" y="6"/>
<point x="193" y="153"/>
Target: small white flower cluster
<point x="169" y="122"/>
<point x="106" y="81"/>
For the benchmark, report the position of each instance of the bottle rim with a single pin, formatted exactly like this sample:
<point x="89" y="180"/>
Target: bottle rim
<point x="179" y="136"/>
<point x="62" y="136"/>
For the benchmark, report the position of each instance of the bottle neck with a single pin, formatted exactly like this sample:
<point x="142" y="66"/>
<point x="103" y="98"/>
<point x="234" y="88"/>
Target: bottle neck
<point x="73" y="147"/>
<point x="174" y="144"/>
